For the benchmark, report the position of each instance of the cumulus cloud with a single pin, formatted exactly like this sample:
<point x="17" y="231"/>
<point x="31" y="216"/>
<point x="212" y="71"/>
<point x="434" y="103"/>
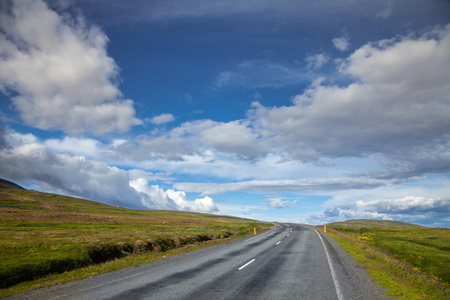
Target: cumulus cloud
<point x="162" y="119"/>
<point x="67" y="174"/>
<point x="407" y="205"/>
<point x="25" y="159"/>
<point x="395" y="111"/>
<point x="391" y="113"/>
<point x="308" y="185"/>
<point x="59" y="72"/>
<point x="74" y="145"/>
<point x="417" y="209"/>
<point x="205" y="204"/>
<point x="170" y="199"/>
<point x="278" y="202"/>
<point x="398" y="105"/>
<point x="235" y="137"/>
<point x="197" y="138"/>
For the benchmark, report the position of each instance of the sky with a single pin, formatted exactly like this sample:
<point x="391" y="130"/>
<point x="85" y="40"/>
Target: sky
<point x="292" y="111"/>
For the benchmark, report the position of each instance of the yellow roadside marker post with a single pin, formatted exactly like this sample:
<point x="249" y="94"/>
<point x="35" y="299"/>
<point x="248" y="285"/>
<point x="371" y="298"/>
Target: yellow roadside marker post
<point x="325" y="228"/>
<point x="254" y="230"/>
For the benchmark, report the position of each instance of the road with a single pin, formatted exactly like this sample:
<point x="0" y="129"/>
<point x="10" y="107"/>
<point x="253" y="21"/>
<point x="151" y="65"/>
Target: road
<point x="290" y="261"/>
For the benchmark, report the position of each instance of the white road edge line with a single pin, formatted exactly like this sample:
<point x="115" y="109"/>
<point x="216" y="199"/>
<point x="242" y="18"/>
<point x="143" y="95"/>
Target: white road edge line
<point x="278" y="243"/>
<point x="257" y="236"/>
<point x="333" y="274"/>
<point x="246" y="264"/>
<point x="99" y="285"/>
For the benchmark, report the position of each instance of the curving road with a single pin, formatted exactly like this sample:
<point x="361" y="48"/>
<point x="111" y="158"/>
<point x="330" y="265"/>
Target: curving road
<point x="290" y="261"/>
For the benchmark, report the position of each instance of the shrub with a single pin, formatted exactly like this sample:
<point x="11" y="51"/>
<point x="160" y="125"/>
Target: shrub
<point x="224" y="235"/>
<point x="164" y="244"/>
<point x="142" y="247"/>
<point x="14" y="274"/>
<point x="203" y="237"/>
<point x="103" y="252"/>
<point x="189" y="240"/>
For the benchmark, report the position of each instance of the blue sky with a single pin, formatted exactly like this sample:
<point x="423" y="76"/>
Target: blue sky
<point x="292" y="111"/>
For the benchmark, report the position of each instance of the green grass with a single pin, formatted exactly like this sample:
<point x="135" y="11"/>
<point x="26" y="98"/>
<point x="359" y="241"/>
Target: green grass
<point x="410" y="260"/>
<point x="45" y="234"/>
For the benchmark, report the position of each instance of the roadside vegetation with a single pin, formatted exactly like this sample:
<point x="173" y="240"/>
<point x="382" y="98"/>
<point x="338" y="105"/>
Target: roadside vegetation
<point x="410" y="261"/>
<point x="47" y="239"/>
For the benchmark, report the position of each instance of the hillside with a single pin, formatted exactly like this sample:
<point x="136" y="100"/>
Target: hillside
<point x="46" y="208"/>
<point x="6" y="184"/>
<point x="52" y="205"/>
<point x="374" y="223"/>
<point x="45" y="233"/>
<point x="411" y="261"/>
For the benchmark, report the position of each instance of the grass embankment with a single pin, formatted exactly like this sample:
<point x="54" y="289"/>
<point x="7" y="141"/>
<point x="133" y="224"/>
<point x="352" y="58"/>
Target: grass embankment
<point x="411" y="261"/>
<point x="47" y="239"/>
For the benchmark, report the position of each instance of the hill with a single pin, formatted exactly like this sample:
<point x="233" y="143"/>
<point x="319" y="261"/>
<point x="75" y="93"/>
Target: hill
<point x="374" y="223"/>
<point x="6" y="184"/>
<point x="411" y="261"/>
<point x="45" y="234"/>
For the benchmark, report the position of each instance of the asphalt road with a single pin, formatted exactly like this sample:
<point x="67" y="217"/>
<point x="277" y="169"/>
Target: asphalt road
<point x="290" y="261"/>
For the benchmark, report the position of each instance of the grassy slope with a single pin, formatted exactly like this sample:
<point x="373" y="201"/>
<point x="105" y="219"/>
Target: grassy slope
<point x="374" y="223"/>
<point x="44" y="234"/>
<point x="410" y="260"/>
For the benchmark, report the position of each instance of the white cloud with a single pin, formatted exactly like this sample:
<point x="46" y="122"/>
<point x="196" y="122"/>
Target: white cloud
<point x="33" y="163"/>
<point x="202" y="137"/>
<point x="170" y="199"/>
<point x="422" y="202"/>
<point x="149" y="176"/>
<point x="15" y="139"/>
<point x="278" y="202"/>
<point x="26" y="160"/>
<point x="341" y="43"/>
<point x="205" y="204"/>
<point x="260" y="73"/>
<point x="308" y="185"/>
<point x="316" y="61"/>
<point x="393" y="116"/>
<point x="235" y="137"/>
<point x="256" y="212"/>
<point x="407" y="64"/>
<point x="394" y="129"/>
<point x="398" y="105"/>
<point x="406" y="205"/>
<point x="61" y="72"/>
<point x="162" y="119"/>
<point x="152" y="196"/>
<point x="77" y="146"/>
<point x="415" y="209"/>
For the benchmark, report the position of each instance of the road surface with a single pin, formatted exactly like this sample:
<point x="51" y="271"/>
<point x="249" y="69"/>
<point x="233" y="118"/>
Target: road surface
<point x="290" y="261"/>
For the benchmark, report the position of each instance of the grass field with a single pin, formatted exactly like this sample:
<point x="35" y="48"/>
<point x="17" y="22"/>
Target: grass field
<point x="413" y="262"/>
<point x="45" y="234"/>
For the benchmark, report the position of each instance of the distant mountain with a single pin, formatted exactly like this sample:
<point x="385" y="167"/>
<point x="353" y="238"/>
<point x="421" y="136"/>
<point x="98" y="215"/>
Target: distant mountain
<point x="374" y="223"/>
<point x="5" y="184"/>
